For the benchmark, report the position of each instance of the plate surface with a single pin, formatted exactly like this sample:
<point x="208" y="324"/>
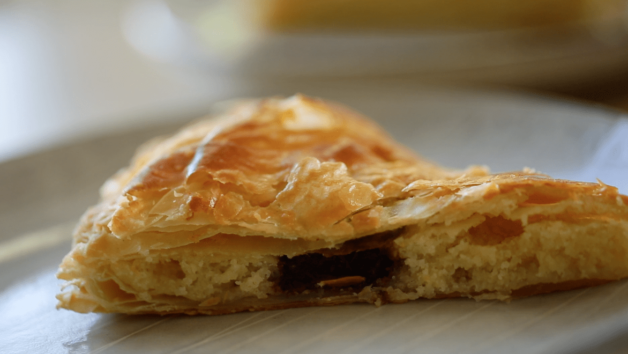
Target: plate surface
<point x="42" y="195"/>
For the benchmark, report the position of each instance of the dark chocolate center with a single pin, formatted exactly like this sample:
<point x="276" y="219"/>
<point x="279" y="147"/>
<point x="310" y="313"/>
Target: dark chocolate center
<point x="307" y="271"/>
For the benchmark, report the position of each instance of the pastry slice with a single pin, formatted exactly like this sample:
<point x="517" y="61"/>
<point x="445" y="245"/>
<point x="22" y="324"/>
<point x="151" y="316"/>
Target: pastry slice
<point x="298" y="202"/>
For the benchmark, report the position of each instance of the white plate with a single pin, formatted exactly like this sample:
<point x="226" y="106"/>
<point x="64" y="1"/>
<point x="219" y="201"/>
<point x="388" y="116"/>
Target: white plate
<point x="456" y="128"/>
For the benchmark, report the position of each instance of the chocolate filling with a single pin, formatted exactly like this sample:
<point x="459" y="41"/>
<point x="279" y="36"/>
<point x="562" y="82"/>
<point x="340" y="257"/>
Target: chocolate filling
<point x="369" y="258"/>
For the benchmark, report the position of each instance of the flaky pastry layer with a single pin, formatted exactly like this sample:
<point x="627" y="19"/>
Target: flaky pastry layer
<point x="298" y="202"/>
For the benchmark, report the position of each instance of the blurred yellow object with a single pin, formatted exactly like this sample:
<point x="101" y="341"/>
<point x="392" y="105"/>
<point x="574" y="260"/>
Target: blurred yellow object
<point x="299" y="15"/>
<point x="531" y="43"/>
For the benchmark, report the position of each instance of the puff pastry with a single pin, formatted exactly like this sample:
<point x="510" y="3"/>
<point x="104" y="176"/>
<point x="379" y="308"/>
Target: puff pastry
<point x="298" y="202"/>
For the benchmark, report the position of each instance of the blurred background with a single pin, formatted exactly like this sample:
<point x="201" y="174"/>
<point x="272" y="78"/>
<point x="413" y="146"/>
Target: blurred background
<point x="84" y="82"/>
<point x="71" y="70"/>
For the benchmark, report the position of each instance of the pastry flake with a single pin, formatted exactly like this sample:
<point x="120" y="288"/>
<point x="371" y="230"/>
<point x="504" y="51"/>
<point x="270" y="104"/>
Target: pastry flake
<point x="299" y="202"/>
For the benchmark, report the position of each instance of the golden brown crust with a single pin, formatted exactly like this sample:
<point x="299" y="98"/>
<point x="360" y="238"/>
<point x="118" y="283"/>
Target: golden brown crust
<point x="283" y="177"/>
<point x="293" y="168"/>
